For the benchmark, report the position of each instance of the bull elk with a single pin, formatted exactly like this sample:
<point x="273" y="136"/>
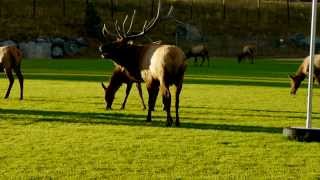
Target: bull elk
<point x="302" y="73"/>
<point x="10" y="59"/>
<point x="248" y="52"/>
<point x="159" y="65"/>
<point x="120" y="76"/>
<point x="198" y="50"/>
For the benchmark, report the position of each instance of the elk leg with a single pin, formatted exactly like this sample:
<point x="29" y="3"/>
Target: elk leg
<point x="167" y="103"/>
<point x="20" y="77"/>
<point x="317" y="76"/>
<point x="195" y="60"/>
<point x="208" y="59"/>
<point x="203" y="59"/>
<point x="140" y="94"/>
<point x="178" y="91"/>
<point x="128" y="89"/>
<point x="153" y="90"/>
<point x="11" y="80"/>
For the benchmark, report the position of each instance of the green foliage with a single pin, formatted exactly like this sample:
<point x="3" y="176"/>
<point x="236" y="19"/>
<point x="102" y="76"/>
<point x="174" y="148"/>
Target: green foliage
<point x="232" y="117"/>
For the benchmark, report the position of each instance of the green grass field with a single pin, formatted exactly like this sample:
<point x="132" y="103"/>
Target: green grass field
<point x="232" y="117"/>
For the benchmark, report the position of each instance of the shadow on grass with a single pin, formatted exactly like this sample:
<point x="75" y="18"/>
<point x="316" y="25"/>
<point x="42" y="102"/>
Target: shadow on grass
<point x="98" y="78"/>
<point x="110" y="118"/>
<point x="251" y="112"/>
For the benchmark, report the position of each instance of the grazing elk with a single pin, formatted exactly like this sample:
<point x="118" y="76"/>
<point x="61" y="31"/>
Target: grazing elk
<point x="198" y="50"/>
<point x="10" y="59"/>
<point x="159" y="65"/>
<point x="248" y="52"/>
<point x="119" y="76"/>
<point x="302" y="73"/>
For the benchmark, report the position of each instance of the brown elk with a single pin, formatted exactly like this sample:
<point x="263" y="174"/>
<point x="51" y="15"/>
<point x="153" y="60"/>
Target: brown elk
<point x="120" y="76"/>
<point x="248" y="52"/>
<point x="198" y="50"/>
<point x="10" y="59"/>
<point x="302" y="73"/>
<point x="159" y="65"/>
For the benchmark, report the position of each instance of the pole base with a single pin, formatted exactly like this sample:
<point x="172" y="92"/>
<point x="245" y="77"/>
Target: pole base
<point x="302" y="134"/>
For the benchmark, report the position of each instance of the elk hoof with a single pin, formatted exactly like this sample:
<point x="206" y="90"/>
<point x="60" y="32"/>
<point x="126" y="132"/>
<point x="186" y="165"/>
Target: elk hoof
<point x="177" y="124"/>
<point x="169" y="122"/>
<point x="148" y="118"/>
<point x="108" y="108"/>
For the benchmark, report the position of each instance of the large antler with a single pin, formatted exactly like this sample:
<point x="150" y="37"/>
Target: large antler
<point x="148" y="25"/>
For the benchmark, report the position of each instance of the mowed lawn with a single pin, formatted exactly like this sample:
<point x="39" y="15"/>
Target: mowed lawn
<point x="232" y="116"/>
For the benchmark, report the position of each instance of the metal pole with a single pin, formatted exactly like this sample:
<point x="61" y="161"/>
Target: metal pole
<point x="311" y="60"/>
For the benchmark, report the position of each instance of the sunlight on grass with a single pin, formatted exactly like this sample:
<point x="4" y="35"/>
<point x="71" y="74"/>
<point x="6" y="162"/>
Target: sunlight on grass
<point x="231" y="125"/>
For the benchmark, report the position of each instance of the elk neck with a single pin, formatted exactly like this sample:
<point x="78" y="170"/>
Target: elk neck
<point x="132" y="58"/>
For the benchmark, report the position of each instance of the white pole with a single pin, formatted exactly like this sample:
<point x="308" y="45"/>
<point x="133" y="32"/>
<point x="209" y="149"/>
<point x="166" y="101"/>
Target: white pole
<point x="311" y="60"/>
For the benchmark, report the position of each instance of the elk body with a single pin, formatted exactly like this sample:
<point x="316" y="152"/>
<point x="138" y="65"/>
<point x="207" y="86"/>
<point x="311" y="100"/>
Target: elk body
<point x="303" y="72"/>
<point x="198" y="50"/>
<point x="248" y="52"/>
<point x="10" y="59"/>
<point x="120" y="76"/>
<point x="159" y="65"/>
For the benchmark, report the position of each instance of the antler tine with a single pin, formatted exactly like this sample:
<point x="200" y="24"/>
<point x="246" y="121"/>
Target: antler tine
<point x="144" y="26"/>
<point x="106" y="32"/>
<point x="117" y="29"/>
<point x="169" y="12"/>
<point x="148" y="26"/>
<point x="155" y="19"/>
<point x="123" y="24"/>
<point x="132" y="18"/>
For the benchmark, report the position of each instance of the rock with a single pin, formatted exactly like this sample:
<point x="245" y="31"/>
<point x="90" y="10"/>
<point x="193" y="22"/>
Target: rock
<point x="36" y="50"/>
<point x="8" y="43"/>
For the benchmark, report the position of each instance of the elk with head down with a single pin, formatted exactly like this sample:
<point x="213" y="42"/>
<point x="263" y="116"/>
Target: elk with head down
<point x="120" y="76"/>
<point x="159" y="65"/>
<point x="303" y="72"/>
<point x="248" y="52"/>
<point x="10" y="59"/>
<point x="198" y="50"/>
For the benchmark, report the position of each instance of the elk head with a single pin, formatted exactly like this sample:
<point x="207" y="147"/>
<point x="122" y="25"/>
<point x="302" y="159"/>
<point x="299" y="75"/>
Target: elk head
<point x="295" y="83"/>
<point x="121" y="48"/>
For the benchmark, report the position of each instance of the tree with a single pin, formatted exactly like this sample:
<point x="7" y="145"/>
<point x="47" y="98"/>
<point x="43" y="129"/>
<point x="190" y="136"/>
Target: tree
<point x="93" y="22"/>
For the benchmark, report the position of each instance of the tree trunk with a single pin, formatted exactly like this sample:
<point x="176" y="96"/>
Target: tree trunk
<point x="34" y="4"/>
<point x="64" y="8"/>
<point x="191" y="10"/>
<point x="152" y="9"/>
<point x="288" y="11"/>
<point x="258" y="10"/>
<point x="112" y="8"/>
<point x="224" y="9"/>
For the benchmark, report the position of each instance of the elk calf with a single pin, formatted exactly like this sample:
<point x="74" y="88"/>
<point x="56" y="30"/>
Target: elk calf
<point x="119" y="76"/>
<point x="198" y="50"/>
<point x="303" y="72"/>
<point x="10" y="59"/>
<point x="248" y="52"/>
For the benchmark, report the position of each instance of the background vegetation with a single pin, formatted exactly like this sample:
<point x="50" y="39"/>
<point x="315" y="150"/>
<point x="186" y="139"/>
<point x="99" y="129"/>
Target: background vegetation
<point x="226" y="27"/>
<point x="232" y="118"/>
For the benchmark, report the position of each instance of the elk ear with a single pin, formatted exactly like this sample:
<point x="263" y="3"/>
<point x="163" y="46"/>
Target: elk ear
<point x="103" y="86"/>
